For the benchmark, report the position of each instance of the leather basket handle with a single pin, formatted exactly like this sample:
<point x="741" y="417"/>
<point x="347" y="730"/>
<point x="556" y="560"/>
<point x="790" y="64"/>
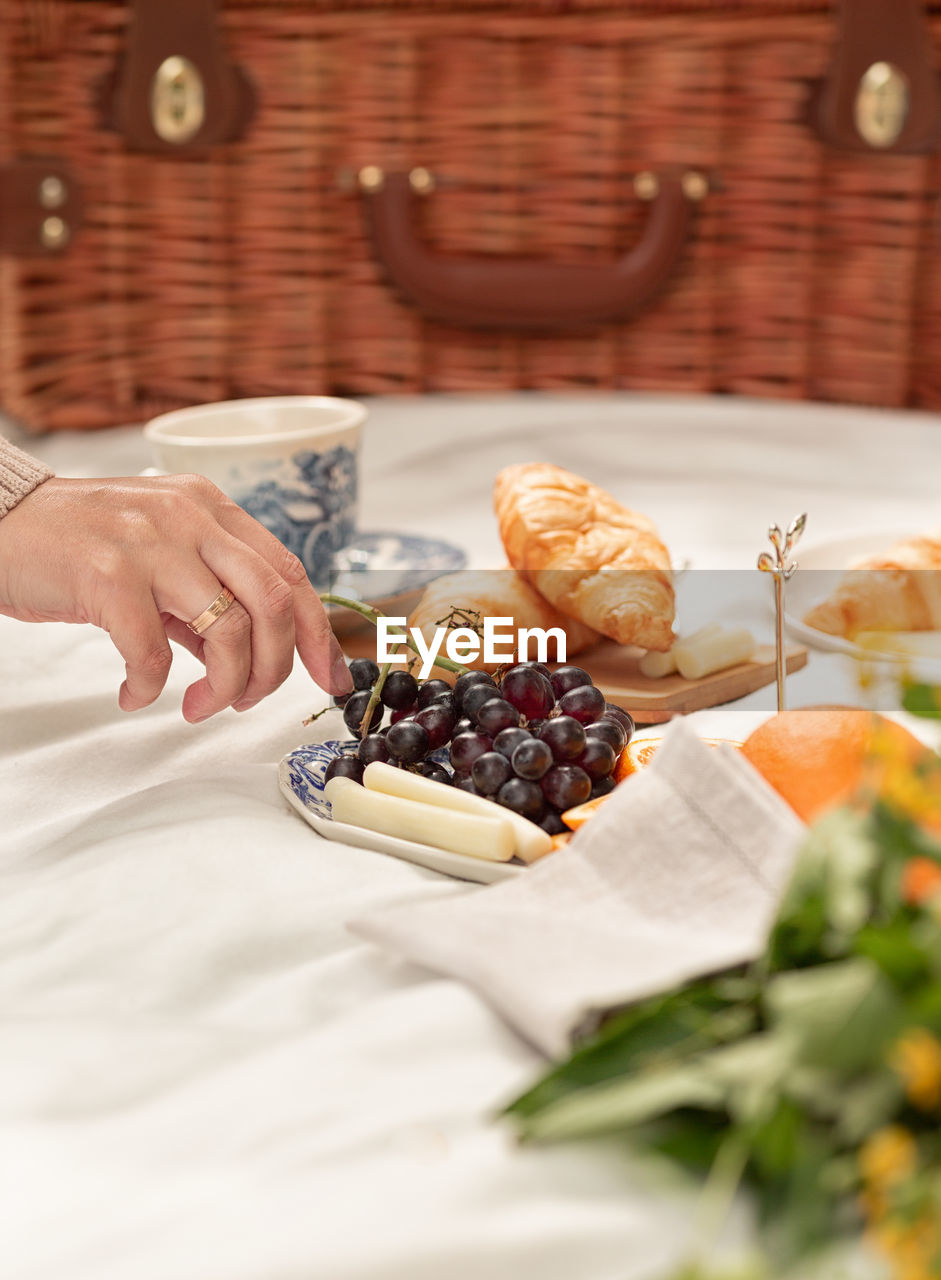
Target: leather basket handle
<point x="882" y="91"/>
<point x="175" y="90"/>
<point x="526" y="293"/>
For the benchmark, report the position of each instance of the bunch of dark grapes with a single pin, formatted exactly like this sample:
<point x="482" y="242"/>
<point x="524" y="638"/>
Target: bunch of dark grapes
<point x="534" y="740"/>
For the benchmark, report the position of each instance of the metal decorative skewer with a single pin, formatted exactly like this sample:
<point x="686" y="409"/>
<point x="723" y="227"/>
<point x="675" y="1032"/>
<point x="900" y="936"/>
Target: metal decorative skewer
<point x="782" y="568"/>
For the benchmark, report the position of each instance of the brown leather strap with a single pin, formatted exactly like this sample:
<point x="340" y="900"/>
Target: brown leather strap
<point x="881" y="37"/>
<point x="524" y="293"/>
<point x="178" y="29"/>
<point x="40" y="207"/>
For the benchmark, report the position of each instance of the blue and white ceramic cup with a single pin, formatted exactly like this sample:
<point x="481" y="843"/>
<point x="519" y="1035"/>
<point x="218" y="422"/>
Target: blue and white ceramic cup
<point x="290" y="461"/>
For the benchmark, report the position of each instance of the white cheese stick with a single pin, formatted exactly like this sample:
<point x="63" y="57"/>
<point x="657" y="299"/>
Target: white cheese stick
<point x="476" y="835"/>
<point x="695" y="659"/>
<point x="655" y="665"/>
<point x="531" y="841"/>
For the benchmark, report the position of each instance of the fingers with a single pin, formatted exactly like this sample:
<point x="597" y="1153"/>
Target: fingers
<point x="264" y="605"/>
<point x="227" y="651"/>
<point x="140" y="638"/>
<point x="248" y="651"/>
<point x="317" y="646"/>
<point x="180" y="633"/>
<point x="184" y="591"/>
<point x="208" y="695"/>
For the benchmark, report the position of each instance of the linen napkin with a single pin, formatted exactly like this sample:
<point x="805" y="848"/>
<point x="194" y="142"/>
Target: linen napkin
<point x="678" y="875"/>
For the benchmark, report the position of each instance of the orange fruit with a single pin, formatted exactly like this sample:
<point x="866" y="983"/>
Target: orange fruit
<point x="821" y="757"/>
<point x="579" y="815"/>
<point x="636" y="755"/>
<point x="639" y="753"/>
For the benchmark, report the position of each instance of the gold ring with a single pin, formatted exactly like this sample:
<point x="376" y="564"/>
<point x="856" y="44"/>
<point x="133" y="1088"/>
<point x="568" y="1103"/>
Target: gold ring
<point x="215" y="610"/>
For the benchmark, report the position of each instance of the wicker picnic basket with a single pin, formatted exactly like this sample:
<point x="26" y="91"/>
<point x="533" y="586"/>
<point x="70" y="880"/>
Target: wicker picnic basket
<point x="202" y="201"/>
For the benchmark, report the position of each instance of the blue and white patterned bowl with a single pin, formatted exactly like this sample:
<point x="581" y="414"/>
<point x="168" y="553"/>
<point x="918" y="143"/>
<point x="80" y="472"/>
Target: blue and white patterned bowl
<point x="382" y="567"/>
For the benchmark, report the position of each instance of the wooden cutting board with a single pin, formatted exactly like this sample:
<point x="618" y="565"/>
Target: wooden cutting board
<point x="614" y="669"/>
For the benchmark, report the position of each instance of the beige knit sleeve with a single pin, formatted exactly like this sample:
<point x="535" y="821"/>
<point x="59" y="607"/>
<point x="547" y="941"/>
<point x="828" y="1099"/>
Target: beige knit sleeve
<point x="19" y="475"/>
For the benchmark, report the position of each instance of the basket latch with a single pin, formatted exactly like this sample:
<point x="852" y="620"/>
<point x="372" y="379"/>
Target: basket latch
<point x="40" y="207"/>
<point x="176" y="91"/>
<point x="882" y="92"/>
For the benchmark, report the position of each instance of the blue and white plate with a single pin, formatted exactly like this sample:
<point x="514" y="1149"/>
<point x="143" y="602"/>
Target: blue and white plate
<point x="301" y="778"/>
<point x="389" y="571"/>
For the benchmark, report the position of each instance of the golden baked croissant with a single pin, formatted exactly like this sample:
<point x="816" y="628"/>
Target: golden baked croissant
<point x="898" y="590"/>
<point x="496" y="593"/>
<point x="592" y="558"/>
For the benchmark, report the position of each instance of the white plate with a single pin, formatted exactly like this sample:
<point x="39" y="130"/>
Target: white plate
<point x="301" y="778"/>
<point x="821" y="567"/>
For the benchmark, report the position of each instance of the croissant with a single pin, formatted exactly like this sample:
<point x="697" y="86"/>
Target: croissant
<point x="495" y="593"/>
<point x="898" y="590"/>
<point x="592" y="558"/>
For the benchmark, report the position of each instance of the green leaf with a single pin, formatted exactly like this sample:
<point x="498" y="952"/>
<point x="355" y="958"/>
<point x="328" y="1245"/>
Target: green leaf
<point x="922" y="700"/>
<point x="896" y="949"/>
<point x="868" y="1104"/>
<point x="622" y="1103"/>
<point x="751" y="1073"/>
<point x="830" y="894"/>
<point x="924" y="1005"/>
<point x="775" y="1140"/>
<point x="898" y="838"/>
<point x="818" y="1090"/>
<point x="689" y="1137"/>
<point x="836" y="1014"/>
<point x="738" y="1078"/>
<point x="798" y="1214"/>
<point x="687" y="1020"/>
<point x="851" y="856"/>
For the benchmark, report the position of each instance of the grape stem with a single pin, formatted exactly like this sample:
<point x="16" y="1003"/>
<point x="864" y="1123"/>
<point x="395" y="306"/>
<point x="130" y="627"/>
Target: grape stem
<point x="374" y="697"/>
<point x="315" y="715"/>
<point x="373" y="615"/>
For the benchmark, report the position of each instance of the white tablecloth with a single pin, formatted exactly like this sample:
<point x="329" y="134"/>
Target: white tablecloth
<point x="202" y="1074"/>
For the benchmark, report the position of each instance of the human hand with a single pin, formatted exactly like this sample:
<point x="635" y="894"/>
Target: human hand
<point x="142" y="557"/>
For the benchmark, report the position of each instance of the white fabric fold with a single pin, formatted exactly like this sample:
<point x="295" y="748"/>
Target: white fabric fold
<point x="677" y="876"/>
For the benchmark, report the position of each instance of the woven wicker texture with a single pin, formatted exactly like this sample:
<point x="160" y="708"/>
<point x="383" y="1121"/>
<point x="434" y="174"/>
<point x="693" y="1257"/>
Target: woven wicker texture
<point x="811" y="272"/>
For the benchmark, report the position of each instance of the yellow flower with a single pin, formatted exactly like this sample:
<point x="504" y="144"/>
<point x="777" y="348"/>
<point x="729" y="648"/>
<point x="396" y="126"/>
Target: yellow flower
<point x="916" y="1057"/>
<point x="911" y="1248"/>
<point x="914" y="1266"/>
<point x="908" y="1255"/>
<point x="874" y="1205"/>
<point x="908" y="783"/>
<point x="888" y="1157"/>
